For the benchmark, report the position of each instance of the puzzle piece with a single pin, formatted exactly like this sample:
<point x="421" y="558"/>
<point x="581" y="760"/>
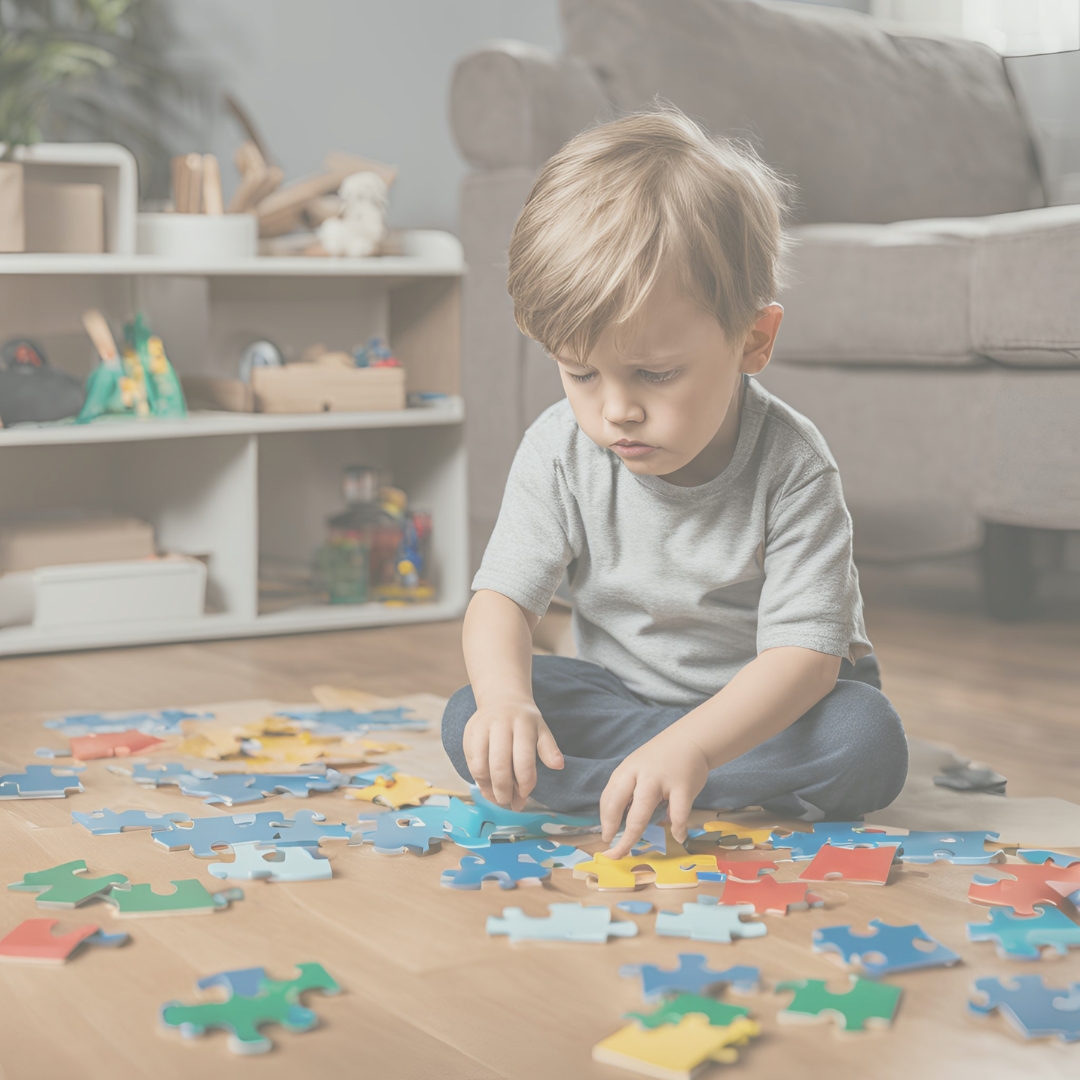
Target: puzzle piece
<point x="242" y="1015"/>
<point x="738" y="869"/>
<point x="961" y="848"/>
<point x="203" y="835"/>
<point x="865" y="1004"/>
<point x="1040" y="857"/>
<point x="349" y="721"/>
<point x="652" y="839"/>
<point x="1020" y="937"/>
<point x="33" y="941"/>
<point x="675" y="1051"/>
<point x="869" y="865"/>
<point x="770" y="895"/>
<point x="396" y="832"/>
<point x="1026" y="886"/>
<point x="266" y="863"/>
<point x="247" y="982"/>
<point x="105" y="822"/>
<point x="677" y="869"/>
<point x="706" y="920"/>
<point x="113" y="744"/>
<point x="733" y="835"/>
<point x="1033" y="1008"/>
<point x="718" y="1013"/>
<point x="398" y="791"/>
<point x="838" y="834"/>
<point x="508" y="864"/>
<point x="62" y="887"/>
<point x="368" y="776"/>
<point x="40" y="782"/>
<point x="234" y="788"/>
<point x="158" y="722"/>
<point x="635" y="907"/>
<point x="693" y="975"/>
<point x="524" y="826"/>
<point x="895" y="945"/>
<point x="49" y="752"/>
<point x="157" y="774"/>
<point x="189" y="897"/>
<point x="567" y="922"/>
<point x="305" y="829"/>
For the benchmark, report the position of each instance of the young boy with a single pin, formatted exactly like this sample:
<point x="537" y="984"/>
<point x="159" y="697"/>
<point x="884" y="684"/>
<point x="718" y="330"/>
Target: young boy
<point x="717" y="611"/>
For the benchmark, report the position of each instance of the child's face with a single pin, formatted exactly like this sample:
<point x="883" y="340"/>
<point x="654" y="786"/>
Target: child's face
<point x="666" y="385"/>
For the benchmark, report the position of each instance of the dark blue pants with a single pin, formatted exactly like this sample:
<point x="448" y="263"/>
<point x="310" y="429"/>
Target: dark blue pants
<point x="845" y="757"/>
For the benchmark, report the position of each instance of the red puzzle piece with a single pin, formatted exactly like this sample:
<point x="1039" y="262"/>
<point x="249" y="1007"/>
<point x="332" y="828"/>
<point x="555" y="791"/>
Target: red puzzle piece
<point x="769" y="895"/>
<point x="869" y="865"/>
<point x="1029" y="885"/>
<point x="112" y="744"/>
<point x="744" y="869"/>
<point x="34" y="940"/>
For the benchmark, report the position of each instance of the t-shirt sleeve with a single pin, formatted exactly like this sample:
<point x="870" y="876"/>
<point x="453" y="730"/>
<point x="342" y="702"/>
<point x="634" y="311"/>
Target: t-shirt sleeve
<point x="530" y="545"/>
<point x="811" y="592"/>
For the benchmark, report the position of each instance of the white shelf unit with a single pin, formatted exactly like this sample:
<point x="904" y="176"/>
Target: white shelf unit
<point x="231" y="487"/>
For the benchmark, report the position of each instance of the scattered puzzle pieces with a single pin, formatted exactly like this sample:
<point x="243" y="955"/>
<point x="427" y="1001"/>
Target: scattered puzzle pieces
<point x="869" y="865"/>
<point x="33" y="941"/>
<point x="40" y="782"/>
<point x="63" y="887"/>
<point x="264" y="862"/>
<point x="350" y="722"/>
<point x="1020" y="937"/>
<point x="1036" y="855"/>
<point x="525" y="862"/>
<point x="397" y="792"/>
<point x="770" y="896"/>
<point x="739" y="869"/>
<point x="677" y="869"/>
<point x="1034" y="1009"/>
<point x="1027" y="885"/>
<point x="113" y="744"/>
<point x="739" y="836"/>
<point x="962" y="848"/>
<point x="159" y="722"/>
<point x="718" y="1013"/>
<point x="189" y="897"/>
<point x="675" y="1051"/>
<point x="204" y="835"/>
<point x="567" y="922"/>
<point x="837" y="834"/>
<point x="397" y="832"/>
<point x="865" y="1004"/>
<point x="104" y="822"/>
<point x="693" y="975"/>
<point x="234" y="788"/>
<point x="708" y="921"/>
<point x="307" y="828"/>
<point x="895" y="945"/>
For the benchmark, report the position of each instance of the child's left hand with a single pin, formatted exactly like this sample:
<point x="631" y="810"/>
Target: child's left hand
<point x="671" y="768"/>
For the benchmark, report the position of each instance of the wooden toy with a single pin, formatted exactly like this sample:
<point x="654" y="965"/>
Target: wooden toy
<point x="866" y="1004"/>
<point x="394" y="833"/>
<point x="189" y="897"/>
<point x="104" y="822"/>
<point x="676" y="869"/>
<point x="275" y="1002"/>
<point x="706" y="920"/>
<point x="62" y="887"/>
<point x="1034" y="1009"/>
<point x="693" y="975"/>
<point x="33" y="941"/>
<point x="40" y="782"/>
<point x="1040" y="857"/>
<point x="738" y="869"/>
<point x="718" y="1013"/>
<point x="264" y="862"/>
<point x="397" y="791"/>
<point x="959" y="847"/>
<point x="567" y="922"/>
<point x="113" y="744"/>
<point x="635" y="907"/>
<point x="838" y="834"/>
<point x="1027" y="885"/>
<point x="675" y="1051"/>
<point x="893" y="944"/>
<point x="306" y="828"/>
<point x="769" y="895"/>
<point x="1020" y="937"/>
<point x="203" y="835"/>
<point x="869" y="865"/>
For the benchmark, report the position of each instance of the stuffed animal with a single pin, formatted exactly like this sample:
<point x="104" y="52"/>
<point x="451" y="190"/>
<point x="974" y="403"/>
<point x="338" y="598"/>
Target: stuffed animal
<point x="361" y="225"/>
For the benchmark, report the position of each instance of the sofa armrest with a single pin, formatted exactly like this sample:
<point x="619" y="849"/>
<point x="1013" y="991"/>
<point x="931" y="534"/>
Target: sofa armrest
<point x="514" y="104"/>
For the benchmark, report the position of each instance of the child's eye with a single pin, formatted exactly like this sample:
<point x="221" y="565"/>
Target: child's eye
<point x="659" y="376"/>
<point x="583" y="378"/>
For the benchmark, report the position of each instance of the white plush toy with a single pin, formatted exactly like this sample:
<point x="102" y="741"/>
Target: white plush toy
<point x="361" y="224"/>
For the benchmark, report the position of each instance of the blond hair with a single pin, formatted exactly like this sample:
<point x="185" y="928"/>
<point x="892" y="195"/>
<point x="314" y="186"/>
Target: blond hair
<point x="621" y="200"/>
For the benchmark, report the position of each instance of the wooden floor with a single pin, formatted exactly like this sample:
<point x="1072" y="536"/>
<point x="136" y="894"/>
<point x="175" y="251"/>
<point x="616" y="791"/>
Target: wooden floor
<point x="427" y="993"/>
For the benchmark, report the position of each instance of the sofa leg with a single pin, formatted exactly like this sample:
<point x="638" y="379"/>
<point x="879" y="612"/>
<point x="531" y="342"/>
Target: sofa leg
<point x="1008" y="571"/>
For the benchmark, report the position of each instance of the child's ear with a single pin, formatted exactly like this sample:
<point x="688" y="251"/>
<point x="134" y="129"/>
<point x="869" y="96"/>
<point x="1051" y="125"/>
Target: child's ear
<point x="759" y="342"/>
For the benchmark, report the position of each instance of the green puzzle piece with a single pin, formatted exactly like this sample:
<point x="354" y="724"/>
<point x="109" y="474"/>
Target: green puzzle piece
<point x="719" y="1013"/>
<point x="188" y="897"/>
<point x="866" y="1001"/>
<point x="276" y="1003"/>
<point x="62" y="887"/>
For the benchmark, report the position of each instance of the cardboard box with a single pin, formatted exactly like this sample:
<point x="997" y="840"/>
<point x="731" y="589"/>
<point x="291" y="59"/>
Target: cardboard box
<point x="306" y="388"/>
<point x="27" y="545"/>
<point x="64" y="217"/>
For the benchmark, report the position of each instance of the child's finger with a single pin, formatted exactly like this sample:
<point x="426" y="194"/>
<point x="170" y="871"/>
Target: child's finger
<point x="476" y="757"/>
<point x="679" y="814"/>
<point x="524" y="768"/>
<point x="613" y="802"/>
<point x="548" y="749"/>
<point x="501" y="764"/>
<point x="637" y="821"/>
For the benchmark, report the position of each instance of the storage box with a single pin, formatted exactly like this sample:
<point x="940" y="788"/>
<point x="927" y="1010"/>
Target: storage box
<point x="307" y="388"/>
<point x="27" y="545"/>
<point x="64" y="217"/>
<point x="200" y="237"/>
<point x="208" y="392"/>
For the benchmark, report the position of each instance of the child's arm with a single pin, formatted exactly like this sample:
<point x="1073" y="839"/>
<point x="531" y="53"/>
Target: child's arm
<point x="768" y="695"/>
<point x="506" y="733"/>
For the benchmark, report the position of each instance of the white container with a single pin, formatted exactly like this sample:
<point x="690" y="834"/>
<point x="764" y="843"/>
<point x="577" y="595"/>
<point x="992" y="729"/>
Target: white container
<point x="198" y="237"/>
<point x="146" y="590"/>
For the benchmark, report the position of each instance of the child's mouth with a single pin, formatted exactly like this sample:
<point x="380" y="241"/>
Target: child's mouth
<point x="632" y="449"/>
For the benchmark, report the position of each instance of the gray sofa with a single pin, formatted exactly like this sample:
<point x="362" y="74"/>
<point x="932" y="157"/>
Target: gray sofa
<point x="932" y="322"/>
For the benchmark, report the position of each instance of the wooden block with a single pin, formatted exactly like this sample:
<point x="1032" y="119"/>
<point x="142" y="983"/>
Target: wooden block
<point x="193" y="187"/>
<point x="64" y="217"/>
<point x="305" y="388"/>
<point x="12" y="220"/>
<point x="210" y="392"/>
<point x="337" y="161"/>
<point x="211" y="185"/>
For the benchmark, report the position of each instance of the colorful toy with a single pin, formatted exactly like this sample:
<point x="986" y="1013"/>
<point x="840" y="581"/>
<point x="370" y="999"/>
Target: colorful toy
<point x="1027" y="885"/>
<point x="1034" y="1009"/>
<point x="693" y="975"/>
<point x="963" y="848"/>
<point x="274" y="1002"/>
<point x="203" y="835"/>
<point x="113" y="744"/>
<point x="189" y="897"/>
<point x="105" y="822"/>
<point x="838" y="834"/>
<point x="676" y="869"/>
<point x="395" y="833"/>
<point x="62" y="887"/>
<point x="718" y="1013"/>
<point x="33" y="941"/>
<point x="738" y="869"/>
<point x="893" y="944"/>
<point x="865" y="1004"/>
<point x="1020" y="937"/>
<point x="708" y="921"/>
<point x="264" y="862"/>
<point x="567" y="922"/>
<point x="675" y="1051"/>
<point x="40" y="782"/>
<point x="770" y="895"/>
<point x="635" y="907"/>
<point x="869" y="865"/>
<point x="397" y="791"/>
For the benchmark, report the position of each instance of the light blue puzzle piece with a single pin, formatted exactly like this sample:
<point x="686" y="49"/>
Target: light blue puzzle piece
<point x="692" y="976"/>
<point x="706" y="920"/>
<point x="369" y="776"/>
<point x="652" y="839"/>
<point x="158" y="774"/>
<point x="159" y="722"/>
<point x="845" y="834"/>
<point x="567" y="922"/>
<point x="1032" y="1007"/>
<point x="961" y="848"/>
<point x="399" y="831"/>
<point x="104" y="822"/>
<point x="48" y="752"/>
<point x="635" y="907"/>
<point x="509" y="864"/>
<point x="246" y="982"/>
<point x="204" y="834"/>
<point x="1040" y="857"/>
<point x="350" y="722"/>
<point x="528" y="825"/>
<point x="1018" y="937"/>
<point x="264" y="862"/>
<point x="40" y="782"/>
<point x="235" y="788"/>
<point x="306" y="829"/>
<point x="107" y="941"/>
<point x="895" y="944"/>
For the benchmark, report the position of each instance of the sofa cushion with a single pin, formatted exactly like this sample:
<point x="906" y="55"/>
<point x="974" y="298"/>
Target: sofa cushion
<point x="873" y="124"/>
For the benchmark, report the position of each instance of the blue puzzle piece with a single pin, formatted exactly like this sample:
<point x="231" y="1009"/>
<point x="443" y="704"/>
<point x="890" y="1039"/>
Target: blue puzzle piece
<point x="103" y="822"/>
<point x="244" y="982"/>
<point x="48" y="752"/>
<point x="707" y="920"/>
<point x="507" y="864"/>
<point x="845" y="834"/>
<point x="635" y="907"/>
<point x="235" y="788"/>
<point x="962" y="848"/>
<point x="395" y="832"/>
<point x="306" y="829"/>
<point x="159" y="722"/>
<point x="1032" y="1007"/>
<point x="1019" y="937"/>
<point x="895" y="944"/>
<point x="158" y="774"/>
<point x="369" y="776"/>
<point x="203" y="834"/>
<point x="39" y="782"/>
<point x="692" y="976"/>
<point x="1040" y="858"/>
<point x="527" y="825"/>
<point x="264" y="862"/>
<point x="349" y="721"/>
<point x="566" y="922"/>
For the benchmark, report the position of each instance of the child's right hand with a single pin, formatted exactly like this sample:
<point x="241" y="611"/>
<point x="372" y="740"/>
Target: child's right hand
<point x="501" y="744"/>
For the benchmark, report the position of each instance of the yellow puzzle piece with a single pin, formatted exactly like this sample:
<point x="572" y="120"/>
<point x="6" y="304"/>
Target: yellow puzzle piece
<point x="675" y="1051"/>
<point x="675" y="869"/>
<point x="738" y="835"/>
<point x="399" y="792"/>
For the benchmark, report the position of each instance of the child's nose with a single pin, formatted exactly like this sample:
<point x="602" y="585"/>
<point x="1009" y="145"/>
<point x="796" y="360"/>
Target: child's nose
<point x="622" y="409"/>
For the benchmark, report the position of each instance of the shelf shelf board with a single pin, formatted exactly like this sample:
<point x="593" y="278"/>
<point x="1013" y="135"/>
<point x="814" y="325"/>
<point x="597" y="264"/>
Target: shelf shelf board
<point x="201" y="424"/>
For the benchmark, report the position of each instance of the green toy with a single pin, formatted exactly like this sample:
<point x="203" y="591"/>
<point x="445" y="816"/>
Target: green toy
<point x="718" y="1013"/>
<point x="189" y="897"/>
<point x="163" y="394"/>
<point x="867" y="1002"/>
<point x="61" y="887"/>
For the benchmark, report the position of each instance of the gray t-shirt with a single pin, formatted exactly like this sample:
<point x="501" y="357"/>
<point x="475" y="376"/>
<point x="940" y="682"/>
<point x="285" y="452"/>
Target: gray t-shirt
<point x="677" y="588"/>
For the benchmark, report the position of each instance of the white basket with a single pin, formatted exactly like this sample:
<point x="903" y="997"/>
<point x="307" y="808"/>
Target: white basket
<point x="205" y="237"/>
